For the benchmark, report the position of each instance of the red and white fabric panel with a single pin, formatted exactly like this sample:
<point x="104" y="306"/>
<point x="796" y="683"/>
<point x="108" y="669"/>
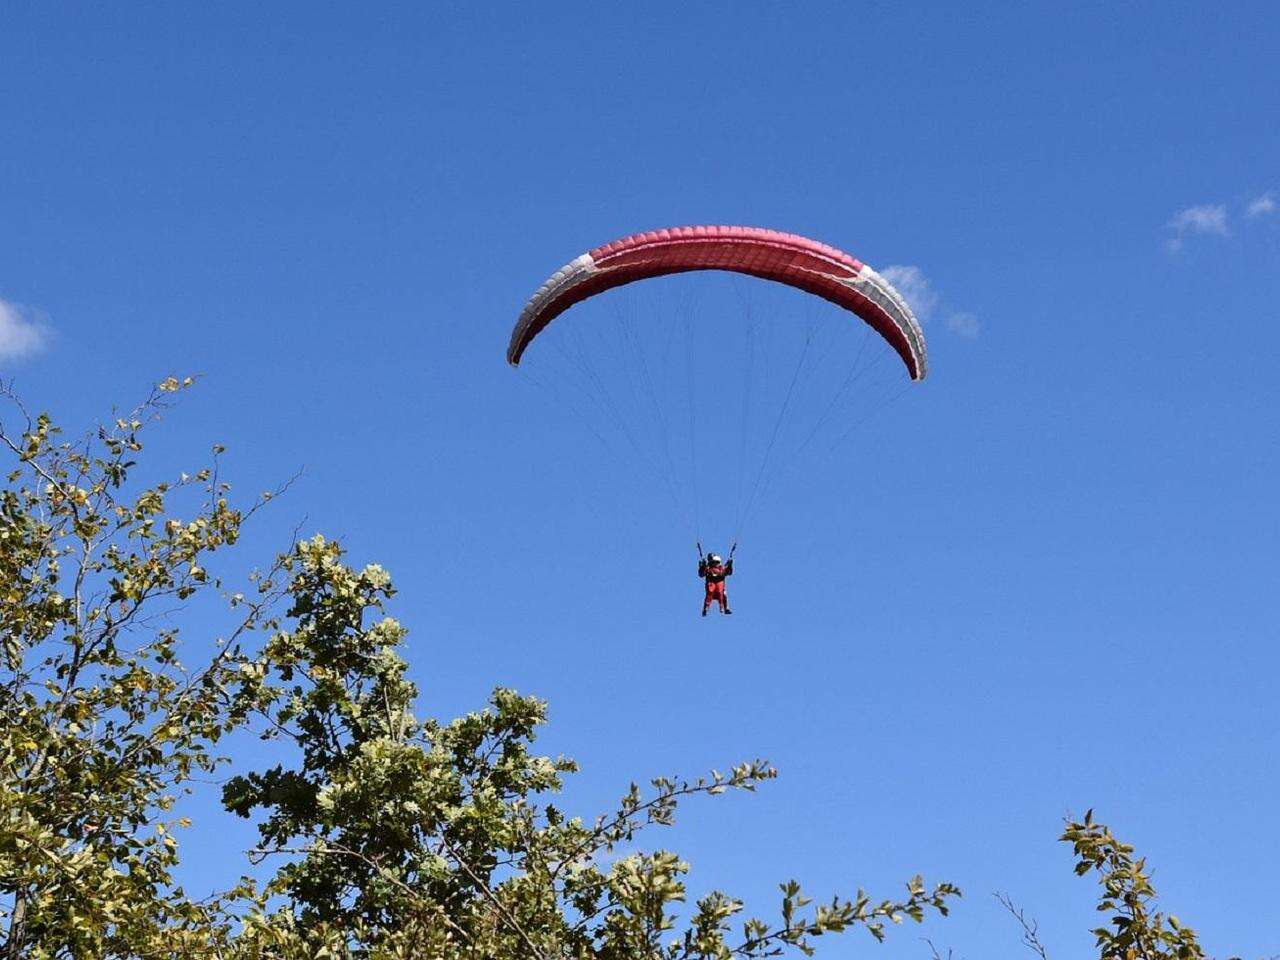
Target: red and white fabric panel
<point x="782" y="257"/>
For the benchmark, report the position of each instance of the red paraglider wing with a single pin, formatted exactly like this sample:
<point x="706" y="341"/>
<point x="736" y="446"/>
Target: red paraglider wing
<point x="783" y="257"/>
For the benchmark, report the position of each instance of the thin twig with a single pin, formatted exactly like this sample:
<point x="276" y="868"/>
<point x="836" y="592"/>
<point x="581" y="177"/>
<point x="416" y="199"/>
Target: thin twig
<point x="1030" y="929"/>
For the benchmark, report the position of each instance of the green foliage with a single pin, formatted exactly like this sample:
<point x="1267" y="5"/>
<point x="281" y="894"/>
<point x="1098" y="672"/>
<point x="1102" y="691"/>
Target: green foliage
<point x="1135" y="930"/>
<point x="103" y="726"/>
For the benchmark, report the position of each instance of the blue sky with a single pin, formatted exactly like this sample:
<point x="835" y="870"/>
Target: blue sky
<point x="1043" y="581"/>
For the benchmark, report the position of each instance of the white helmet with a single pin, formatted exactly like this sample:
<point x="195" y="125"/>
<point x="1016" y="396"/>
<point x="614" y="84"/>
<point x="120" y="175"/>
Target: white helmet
<point x="712" y="558"/>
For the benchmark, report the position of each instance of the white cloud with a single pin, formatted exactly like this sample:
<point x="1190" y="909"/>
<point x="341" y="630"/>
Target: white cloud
<point x="1261" y="206"/>
<point x="21" y="334"/>
<point x="914" y="286"/>
<point x="1208" y="219"/>
<point x="964" y="324"/>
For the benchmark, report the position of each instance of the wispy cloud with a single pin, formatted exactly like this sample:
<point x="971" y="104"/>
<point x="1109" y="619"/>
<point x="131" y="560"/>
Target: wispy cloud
<point x="21" y="334"/>
<point x="1262" y="206"/>
<point x="915" y="287"/>
<point x="964" y="324"/>
<point x="1208" y="219"/>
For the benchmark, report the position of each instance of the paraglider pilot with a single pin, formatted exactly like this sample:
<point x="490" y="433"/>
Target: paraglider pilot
<point x="713" y="571"/>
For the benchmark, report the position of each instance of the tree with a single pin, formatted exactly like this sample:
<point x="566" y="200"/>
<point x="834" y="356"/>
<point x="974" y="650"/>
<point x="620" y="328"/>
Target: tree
<point x="103" y="725"/>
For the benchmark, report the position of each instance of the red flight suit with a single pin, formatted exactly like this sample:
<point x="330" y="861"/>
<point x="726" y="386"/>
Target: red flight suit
<point x="714" y="574"/>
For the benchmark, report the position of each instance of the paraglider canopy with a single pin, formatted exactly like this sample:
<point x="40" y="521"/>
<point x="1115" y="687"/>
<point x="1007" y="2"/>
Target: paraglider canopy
<point x="782" y="257"/>
<point x="802" y="361"/>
